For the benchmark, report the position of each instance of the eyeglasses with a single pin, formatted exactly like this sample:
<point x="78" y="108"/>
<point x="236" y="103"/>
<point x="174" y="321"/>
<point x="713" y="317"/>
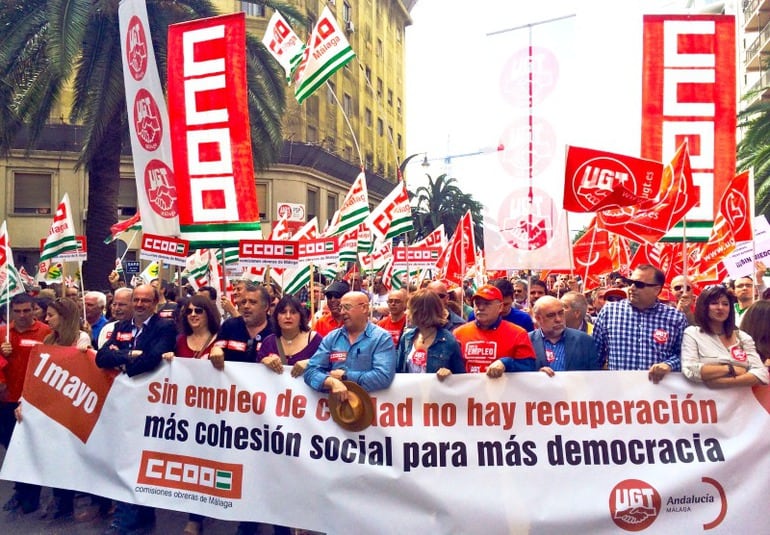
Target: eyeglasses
<point x="347" y="307"/>
<point x="639" y="284"/>
<point x="679" y="288"/>
<point x="194" y="310"/>
<point x="443" y="295"/>
<point x="613" y="298"/>
<point x="333" y="296"/>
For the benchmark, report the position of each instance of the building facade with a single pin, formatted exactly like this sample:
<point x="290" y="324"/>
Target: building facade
<point x="319" y="160"/>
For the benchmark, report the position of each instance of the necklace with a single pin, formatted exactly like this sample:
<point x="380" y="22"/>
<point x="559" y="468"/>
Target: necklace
<point x="289" y="341"/>
<point x="424" y="339"/>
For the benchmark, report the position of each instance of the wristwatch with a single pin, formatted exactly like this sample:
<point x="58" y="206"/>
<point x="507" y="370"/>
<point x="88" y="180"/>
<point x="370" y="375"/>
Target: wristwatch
<point x="730" y="370"/>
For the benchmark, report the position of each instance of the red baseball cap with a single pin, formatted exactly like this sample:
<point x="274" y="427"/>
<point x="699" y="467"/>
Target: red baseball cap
<point x="489" y="293"/>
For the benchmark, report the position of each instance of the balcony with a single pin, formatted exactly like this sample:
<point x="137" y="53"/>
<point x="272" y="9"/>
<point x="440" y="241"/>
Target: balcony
<point x="758" y="50"/>
<point x="756" y="13"/>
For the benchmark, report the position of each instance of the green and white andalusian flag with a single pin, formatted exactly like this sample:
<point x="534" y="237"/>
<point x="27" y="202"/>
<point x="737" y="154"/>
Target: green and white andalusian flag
<point x="10" y="281"/>
<point x="293" y="279"/>
<point x="61" y="236"/>
<point x="326" y="52"/>
<point x="354" y="209"/>
<point x="283" y="44"/>
<point x="393" y="216"/>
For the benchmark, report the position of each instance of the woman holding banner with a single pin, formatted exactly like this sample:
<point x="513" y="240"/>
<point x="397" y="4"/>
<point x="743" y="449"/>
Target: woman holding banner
<point x="714" y="350"/>
<point x="292" y="342"/>
<point x="428" y="347"/>
<point x="63" y="317"/>
<point x="198" y="325"/>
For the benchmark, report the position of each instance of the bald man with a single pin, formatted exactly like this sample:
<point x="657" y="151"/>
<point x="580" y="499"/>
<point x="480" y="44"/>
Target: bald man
<point x="440" y="289"/>
<point x="359" y="351"/>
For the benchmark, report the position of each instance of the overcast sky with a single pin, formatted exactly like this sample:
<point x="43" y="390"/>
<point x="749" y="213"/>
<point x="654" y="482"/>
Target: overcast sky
<point x="449" y="53"/>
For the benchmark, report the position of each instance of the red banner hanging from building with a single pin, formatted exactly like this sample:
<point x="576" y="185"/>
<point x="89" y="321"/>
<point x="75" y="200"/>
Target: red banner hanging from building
<point x="209" y="117"/>
<point x="689" y="92"/>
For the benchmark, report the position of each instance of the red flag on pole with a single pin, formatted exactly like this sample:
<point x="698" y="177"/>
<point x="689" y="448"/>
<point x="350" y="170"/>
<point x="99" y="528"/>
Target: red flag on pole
<point x="460" y="254"/>
<point x="649" y="221"/>
<point x="732" y="222"/>
<point x="595" y="180"/>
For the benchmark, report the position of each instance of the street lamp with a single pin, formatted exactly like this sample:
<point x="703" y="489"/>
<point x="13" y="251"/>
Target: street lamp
<point x="402" y="165"/>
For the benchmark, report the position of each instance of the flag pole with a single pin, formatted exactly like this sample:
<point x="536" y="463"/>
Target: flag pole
<point x="684" y="247"/>
<point x="7" y="288"/>
<point x="123" y="256"/>
<point x="347" y="121"/>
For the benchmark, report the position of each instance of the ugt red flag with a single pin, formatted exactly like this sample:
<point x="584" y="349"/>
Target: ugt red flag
<point x="732" y="222"/>
<point x="460" y="254"/>
<point x="591" y="253"/>
<point x="650" y="220"/>
<point x="595" y="180"/>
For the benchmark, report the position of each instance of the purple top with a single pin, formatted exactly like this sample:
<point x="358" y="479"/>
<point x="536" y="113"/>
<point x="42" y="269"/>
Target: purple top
<point x="270" y="346"/>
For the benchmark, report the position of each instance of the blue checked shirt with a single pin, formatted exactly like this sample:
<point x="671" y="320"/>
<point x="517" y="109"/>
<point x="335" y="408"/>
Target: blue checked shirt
<point x="630" y="339"/>
<point x="557" y="351"/>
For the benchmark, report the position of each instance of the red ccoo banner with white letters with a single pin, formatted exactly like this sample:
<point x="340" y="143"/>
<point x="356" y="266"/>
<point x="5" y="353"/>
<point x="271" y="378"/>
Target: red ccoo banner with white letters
<point x="580" y="452"/>
<point x="210" y="131"/>
<point x="689" y="92"/>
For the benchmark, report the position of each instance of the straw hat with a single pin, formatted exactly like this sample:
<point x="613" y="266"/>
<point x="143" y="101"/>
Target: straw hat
<point x="355" y="414"/>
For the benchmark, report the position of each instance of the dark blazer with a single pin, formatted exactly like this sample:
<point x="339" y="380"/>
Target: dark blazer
<point x="580" y="351"/>
<point x="157" y="337"/>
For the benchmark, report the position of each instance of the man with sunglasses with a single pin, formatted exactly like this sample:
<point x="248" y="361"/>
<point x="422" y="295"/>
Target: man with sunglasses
<point x="395" y="321"/>
<point x="641" y="333"/>
<point x="440" y="289"/>
<point x="332" y="318"/>
<point x="681" y="290"/>
<point x="359" y="351"/>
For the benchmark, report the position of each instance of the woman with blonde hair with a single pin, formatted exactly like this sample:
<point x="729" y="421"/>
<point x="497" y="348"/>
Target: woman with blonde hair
<point x="63" y="317"/>
<point x="428" y="347"/>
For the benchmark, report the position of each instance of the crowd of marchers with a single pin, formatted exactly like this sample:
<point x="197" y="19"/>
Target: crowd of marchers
<point x="345" y="333"/>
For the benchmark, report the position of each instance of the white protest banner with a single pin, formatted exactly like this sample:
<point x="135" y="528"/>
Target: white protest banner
<point x="580" y="452"/>
<point x="739" y="263"/>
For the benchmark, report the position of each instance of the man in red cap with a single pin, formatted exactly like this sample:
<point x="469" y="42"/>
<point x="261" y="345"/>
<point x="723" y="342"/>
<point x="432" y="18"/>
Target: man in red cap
<point x="490" y="344"/>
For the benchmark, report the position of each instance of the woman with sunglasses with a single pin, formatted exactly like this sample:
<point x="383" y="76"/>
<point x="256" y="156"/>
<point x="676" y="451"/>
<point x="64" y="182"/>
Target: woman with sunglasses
<point x="292" y="342"/>
<point x="714" y="350"/>
<point x="63" y="317"/>
<point x="198" y="325"/>
<point x="429" y="347"/>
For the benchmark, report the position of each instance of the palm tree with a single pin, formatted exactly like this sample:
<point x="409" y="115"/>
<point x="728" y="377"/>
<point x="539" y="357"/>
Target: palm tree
<point x="45" y="44"/>
<point x="442" y="201"/>
<point x="754" y="151"/>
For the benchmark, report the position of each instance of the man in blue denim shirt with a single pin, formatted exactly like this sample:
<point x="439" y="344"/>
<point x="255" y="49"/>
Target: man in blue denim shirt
<point x="358" y="351"/>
